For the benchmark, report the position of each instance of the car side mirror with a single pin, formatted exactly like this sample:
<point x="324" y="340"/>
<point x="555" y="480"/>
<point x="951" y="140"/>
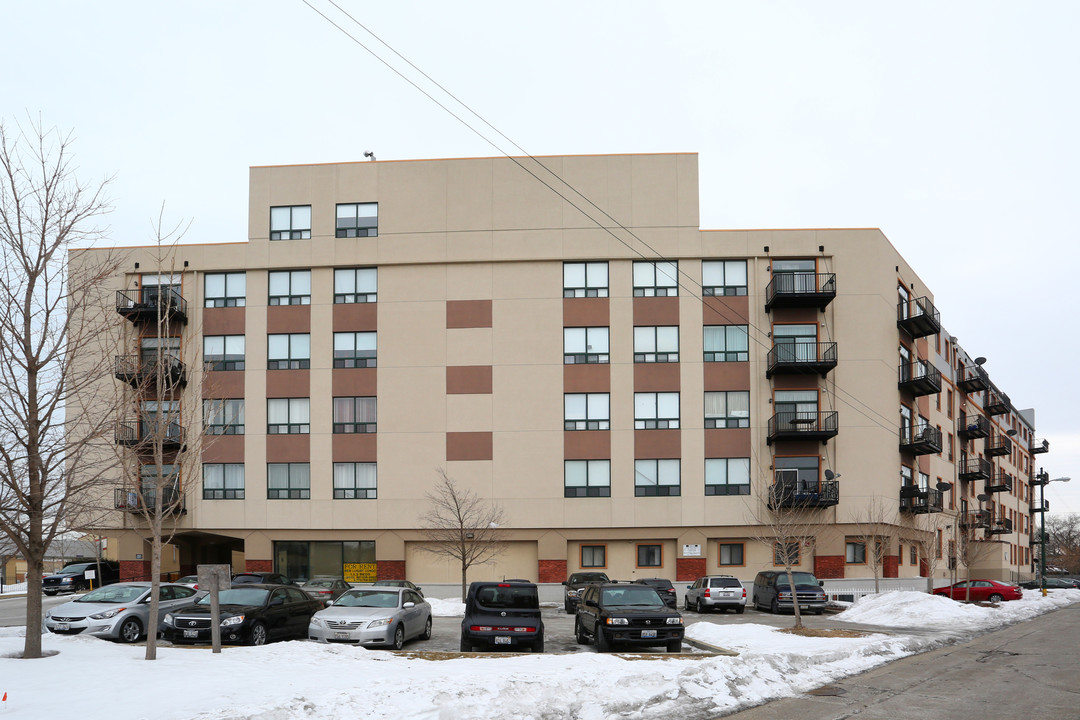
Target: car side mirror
<point x="563" y="582"/>
<point x="419" y="589"/>
<point x="328" y="603"/>
<point x="591" y="603"/>
<point x="277" y="601"/>
<point x="821" y="583"/>
<point x="689" y="587"/>
<point x="408" y="605"/>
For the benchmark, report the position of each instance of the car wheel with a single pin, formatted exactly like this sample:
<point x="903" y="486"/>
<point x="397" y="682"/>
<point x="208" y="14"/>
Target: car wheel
<point x="466" y="646"/>
<point x="399" y="638"/>
<point x="700" y="606"/>
<point x="130" y="630"/>
<point x="674" y="646"/>
<point x="579" y="633"/>
<point x="741" y="609"/>
<point x="567" y="609"/>
<point x="50" y="594"/>
<point x="995" y="598"/>
<point x="774" y="608"/>
<point x="426" y="635"/>
<point x="257" y="635"/>
<point x="602" y="644"/>
<point x="686" y="603"/>
<point x="538" y="646"/>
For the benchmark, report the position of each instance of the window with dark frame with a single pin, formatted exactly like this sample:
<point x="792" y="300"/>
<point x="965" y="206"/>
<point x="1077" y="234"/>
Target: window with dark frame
<point x="594" y="556"/>
<point x="223" y="416"/>
<point x="656" y="411"/>
<point x="356" y="285"/>
<point x="289" y="287"/>
<point x="723" y="277"/>
<point x="288" y="351"/>
<point x="726" y="343"/>
<point x="729" y="409"/>
<point x="586" y="478"/>
<point x="288" y="481"/>
<point x="730" y="554"/>
<point x="355" y="481"/>
<point x="855" y="553"/>
<point x="788" y="552"/>
<point x="223" y="352"/>
<point x="354" y="349"/>
<point x="357" y="220"/>
<point x="583" y="345"/>
<point x="586" y="411"/>
<point x="223" y="481"/>
<point x="657" y="478"/>
<point x="288" y="416"/>
<point x="656" y="279"/>
<point x="727" y="476"/>
<point x="650" y="555"/>
<point x="656" y="344"/>
<point x="585" y="280"/>
<point x="224" y="290"/>
<point x="355" y="415"/>
<point x="290" y="222"/>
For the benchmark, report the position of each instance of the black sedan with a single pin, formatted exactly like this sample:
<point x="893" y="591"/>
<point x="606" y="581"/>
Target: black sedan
<point x="1052" y="583"/>
<point x="252" y="614"/>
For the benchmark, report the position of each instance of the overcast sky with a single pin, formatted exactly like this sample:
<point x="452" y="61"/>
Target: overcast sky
<point x="950" y="126"/>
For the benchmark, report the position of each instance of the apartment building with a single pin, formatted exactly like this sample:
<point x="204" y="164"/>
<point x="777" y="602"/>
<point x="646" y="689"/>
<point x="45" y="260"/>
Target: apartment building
<point x="638" y="394"/>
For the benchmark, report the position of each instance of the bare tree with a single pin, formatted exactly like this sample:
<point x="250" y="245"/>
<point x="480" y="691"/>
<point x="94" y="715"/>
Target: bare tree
<point x="874" y="526"/>
<point x="462" y="526"/>
<point x="931" y="549"/>
<point x="55" y="317"/>
<point x="1063" y="541"/>
<point x="973" y="543"/>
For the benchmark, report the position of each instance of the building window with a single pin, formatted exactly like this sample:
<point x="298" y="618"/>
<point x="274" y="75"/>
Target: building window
<point x="223" y="481"/>
<point x="586" y="411"/>
<point x="288" y="481"/>
<point x="354" y="481"/>
<point x="730" y="554"/>
<point x="354" y="349"/>
<point x="585" y="345"/>
<point x="656" y="411"/>
<point x="290" y="287"/>
<point x="727" y="409"/>
<point x="288" y="416"/>
<point x="650" y="556"/>
<point x="168" y="481"/>
<point x="357" y="220"/>
<point x="152" y="349"/>
<point x="794" y="407"/>
<point x="795" y="343"/>
<point x="913" y="552"/>
<point x="726" y="343"/>
<point x="288" y="352"/>
<point x="723" y="277"/>
<point x="354" y="414"/>
<point x="223" y="417"/>
<point x="225" y="290"/>
<point x="587" y="478"/>
<point x="356" y="285"/>
<point x="798" y="276"/>
<point x="807" y="478"/>
<point x="594" y="556"/>
<point x="657" y="279"/>
<point x="291" y="222"/>
<point x="656" y="344"/>
<point x="656" y="478"/>
<point x="585" y="279"/>
<point x="786" y="553"/>
<point x="727" y="476"/>
<point x="223" y="352"/>
<point x="855" y="553"/>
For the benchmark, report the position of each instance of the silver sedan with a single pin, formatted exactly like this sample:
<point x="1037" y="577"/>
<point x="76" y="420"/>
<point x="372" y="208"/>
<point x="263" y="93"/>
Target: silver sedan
<point x="116" y="612"/>
<point x="373" y="617"/>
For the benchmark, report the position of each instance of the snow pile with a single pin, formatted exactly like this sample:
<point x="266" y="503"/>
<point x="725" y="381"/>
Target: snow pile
<point x="14" y="589"/>
<point x="446" y="608"/>
<point x="920" y="610"/>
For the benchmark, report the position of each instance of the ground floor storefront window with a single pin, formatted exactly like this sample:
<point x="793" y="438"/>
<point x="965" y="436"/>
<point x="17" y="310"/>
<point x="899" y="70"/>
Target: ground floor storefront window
<point x="353" y="560"/>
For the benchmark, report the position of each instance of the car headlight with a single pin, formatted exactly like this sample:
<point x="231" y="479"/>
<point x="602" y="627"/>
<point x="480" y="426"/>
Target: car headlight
<point x="168" y="619"/>
<point x="317" y="621"/>
<point x="107" y="614"/>
<point x="66" y="580"/>
<point x="618" y="621"/>
<point x="571" y="593"/>
<point x="234" y="620"/>
<point x="381" y="622"/>
<point x="674" y="621"/>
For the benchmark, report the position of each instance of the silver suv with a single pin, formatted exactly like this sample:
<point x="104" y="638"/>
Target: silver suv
<point x="716" y="592"/>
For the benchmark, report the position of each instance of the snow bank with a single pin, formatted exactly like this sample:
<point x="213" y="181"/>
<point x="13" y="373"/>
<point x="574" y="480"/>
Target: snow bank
<point x="920" y="610"/>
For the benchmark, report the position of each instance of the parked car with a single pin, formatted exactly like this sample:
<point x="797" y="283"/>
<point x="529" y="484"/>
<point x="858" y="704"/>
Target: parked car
<point x="374" y="617"/>
<point x="120" y="611"/>
<point x="981" y="591"/>
<point x="716" y="592"/>
<point x="630" y="614"/>
<point x="251" y="613"/>
<point x="772" y="591"/>
<point x="72" y="577"/>
<point x="262" y="578"/>
<point x="574" y="585"/>
<point x="399" y="583"/>
<point x="191" y="581"/>
<point x="502" y="615"/>
<point x="325" y="589"/>
<point x="662" y="586"/>
<point x="1052" y="583"/>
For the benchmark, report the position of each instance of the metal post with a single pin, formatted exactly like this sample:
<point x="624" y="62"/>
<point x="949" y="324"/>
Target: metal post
<point x="1042" y="530"/>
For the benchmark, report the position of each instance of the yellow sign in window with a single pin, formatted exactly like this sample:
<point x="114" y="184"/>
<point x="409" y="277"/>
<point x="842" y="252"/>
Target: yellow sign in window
<point x="360" y="572"/>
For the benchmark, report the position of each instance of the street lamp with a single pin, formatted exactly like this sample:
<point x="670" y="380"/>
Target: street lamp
<point x="1044" y="480"/>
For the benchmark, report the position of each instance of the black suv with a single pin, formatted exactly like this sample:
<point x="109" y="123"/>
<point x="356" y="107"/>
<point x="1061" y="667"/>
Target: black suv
<point x="502" y="615"/>
<point x="662" y="586"/>
<point x="630" y="614"/>
<point x="72" y="578"/>
<point x="574" y="585"/>
<point x="773" y="592"/>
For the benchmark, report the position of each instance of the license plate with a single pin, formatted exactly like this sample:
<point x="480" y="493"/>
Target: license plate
<point x="191" y="633"/>
<point x="501" y="640"/>
<point x="341" y="636"/>
<point x="648" y="633"/>
<point x="727" y="594"/>
<point x="804" y="607"/>
<point x="63" y="626"/>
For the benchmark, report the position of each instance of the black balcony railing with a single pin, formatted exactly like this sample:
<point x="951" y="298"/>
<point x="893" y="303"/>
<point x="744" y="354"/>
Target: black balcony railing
<point x="995" y="403"/>
<point x="919" y="378"/>
<point x="917" y="500"/>
<point x="971" y="379"/>
<point x="998" y="444"/>
<point x="800" y="289"/>
<point x="801" y="358"/>
<point x="973" y="426"/>
<point x="1043" y="508"/>
<point x="1000" y="481"/>
<point x="921" y="439"/>
<point x="1000" y="526"/>
<point x="976" y="519"/>
<point x="791" y="494"/>
<point x="796" y="425"/>
<point x="143" y="305"/>
<point x="145" y="500"/>
<point x="975" y="469"/>
<point x="1039" y="446"/>
<point x="143" y="435"/>
<point x="918" y="317"/>
<point x="143" y="371"/>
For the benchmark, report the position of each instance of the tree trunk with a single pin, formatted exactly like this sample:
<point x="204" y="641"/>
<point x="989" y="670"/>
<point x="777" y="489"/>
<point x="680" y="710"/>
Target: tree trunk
<point x="794" y="599"/>
<point x="464" y="570"/>
<point x="32" y="644"/>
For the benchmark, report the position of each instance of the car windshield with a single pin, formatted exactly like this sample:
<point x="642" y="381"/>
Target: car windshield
<point x="508" y="596"/>
<point x="319" y="583"/>
<point x="588" y="577"/>
<point x="247" y="579"/>
<point x="239" y="596"/>
<point x="390" y="583"/>
<point x="800" y="578"/>
<point x="114" y="594"/>
<point x="368" y="598"/>
<point x="636" y="595"/>
<point x="73" y="569"/>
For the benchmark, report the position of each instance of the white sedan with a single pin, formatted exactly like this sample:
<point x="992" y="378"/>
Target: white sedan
<point x="116" y="612"/>
<point x="373" y="617"/>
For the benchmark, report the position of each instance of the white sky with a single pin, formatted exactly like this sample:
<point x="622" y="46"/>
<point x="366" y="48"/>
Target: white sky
<point x="949" y="126"/>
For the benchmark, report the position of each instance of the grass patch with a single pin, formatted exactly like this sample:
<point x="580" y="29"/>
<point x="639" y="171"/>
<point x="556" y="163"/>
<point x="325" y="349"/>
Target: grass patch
<point x="824" y="632"/>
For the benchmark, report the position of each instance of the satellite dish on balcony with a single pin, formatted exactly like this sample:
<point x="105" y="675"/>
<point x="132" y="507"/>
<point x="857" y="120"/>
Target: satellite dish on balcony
<point x="982" y="498"/>
<point x="830" y="475"/>
<point x="1010" y="432"/>
<point x="944" y="486"/>
<point x="980" y="360"/>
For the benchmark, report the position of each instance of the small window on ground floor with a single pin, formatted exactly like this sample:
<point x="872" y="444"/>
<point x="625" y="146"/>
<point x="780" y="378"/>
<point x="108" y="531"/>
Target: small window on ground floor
<point x="730" y="554"/>
<point x="594" y="556"/>
<point x="650" y="556"/>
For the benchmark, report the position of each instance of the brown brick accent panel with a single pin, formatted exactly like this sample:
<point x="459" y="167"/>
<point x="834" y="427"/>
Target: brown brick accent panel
<point x="288" y="448"/>
<point x="586" y="445"/>
<point x="585" y="312"/>
<point x="355" y="447"/>
<point x="689" y="569"/>
<point x="657" y="444"/>
<point x="223" y="384"/>
<point x="468" y="446"/>
<point x="288" y="383"/>
<point x="356" y="317"/>
<point x="656" y="311"/>
<point x="468" y="380"/>
<point x="251" y="565"/>
<point x="727" y="310"/>
<point x="288" y="319"/>
<point x="727" y="376"/>
<point x="656" y="377"/>
<point x="552" y="571"/>
<point x="223" y="321"/>
<point x="924" y="568"/>
<point x="390" y="570"/>
<point x="353" y="382"/>
<point x="727" y="442"/>
<point x="224" y="449"/>
<point x="134" y="570"/>
<point x="586" y="378"/>
<point x="829" y="566"/>
<point x="890" y="567"/>
<point x="468" y="314"/>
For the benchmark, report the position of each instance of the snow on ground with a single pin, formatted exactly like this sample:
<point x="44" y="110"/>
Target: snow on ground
<point x="300" y="680"/>
<point x="446" y="608"/>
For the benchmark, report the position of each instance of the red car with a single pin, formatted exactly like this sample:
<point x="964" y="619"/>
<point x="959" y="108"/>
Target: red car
<point x="981" y="591"/>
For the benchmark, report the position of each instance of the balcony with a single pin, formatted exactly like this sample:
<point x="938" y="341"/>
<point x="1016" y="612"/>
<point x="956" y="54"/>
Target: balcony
<point x="788" y="493"/>
<point x="794" y="425"/>
<point x="802" y="358"/>
<point x="800" y="289"/>
<point x="920" y="501"/>
<point x="1039" y="446"/>
<point x="1043" y="508"/>
<point x="996" y="403"/>
<point x="973" y="426"/>
<point x="976" y="519"/>
<point x="998" y="444"/>
<point x="1000" y="526"/>
<point x="922" y="439"/>
<point x="143" y="371"/>
<point x="1000" y="481"/>
<point x="975" y="469"/>
<point x="971" y="380"/>
<point x="144" y="434"/>
<point x="920" y="378"/>
<point x="134" y="501"/>
<point x="918" y="317"/>
<point x="143" y="305"/>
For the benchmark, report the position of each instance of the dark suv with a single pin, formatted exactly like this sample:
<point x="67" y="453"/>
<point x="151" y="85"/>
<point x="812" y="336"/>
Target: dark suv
<point x="773" y="592"/>
<point x="502" y="615"/>
<point x="629" y="614"/>
<point x="72" y="578"/>
<point x="574" y="585"/>
<point x="662" y="586"/>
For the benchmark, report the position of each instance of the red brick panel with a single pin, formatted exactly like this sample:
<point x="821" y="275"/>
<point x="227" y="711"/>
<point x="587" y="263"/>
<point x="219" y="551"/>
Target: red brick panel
<point x="657" y="444"/>
<point x="355" y="317"/>
<point x="223" y="321"/>
<point x="355" y="447"/>
<point x="390" y="570"/>
<point x="288" y="319"/>
<point x="586" y="312"/>
<point x="656" y="311"/>
<point x="352" y="382"/>
<point x="586" y="378"/>
<point x="468" y="446"/>
<point x="468" y="380"/>
<point x="890" y="568"/>
<point x="288" y="448"/>
<point x="829" y="566"/>
<point x="223" y="384"/>
<point x="552" y="571"/>
<point x="288" y="383"/>
<point x="251" y="565"/>
<point x="690" y="569"/>
<point x="726" y="310"/>
<point x="720" y="376"/>
<point x="727" y="443"/>
<point x="656" y="377"/>
<point x="134" y="570"/>
<point x="223" y="449"/>
<point x="468" y="314"/>
<point x="587" y="445"/>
